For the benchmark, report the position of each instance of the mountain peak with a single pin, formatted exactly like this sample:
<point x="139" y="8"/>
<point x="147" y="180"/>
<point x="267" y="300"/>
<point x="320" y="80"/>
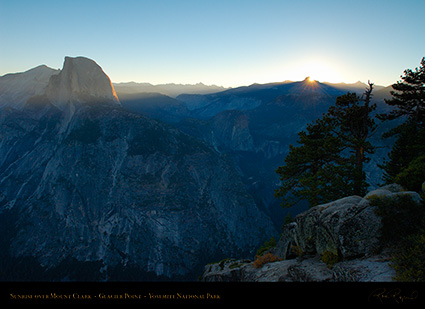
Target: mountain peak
<point x="81" y="80"/>
<point x="17" y="88"/>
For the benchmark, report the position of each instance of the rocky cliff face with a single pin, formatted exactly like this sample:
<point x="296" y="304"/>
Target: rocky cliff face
<point x="346" y="230"/>
<point x="93" y="192"/>
<point x="80" y="80"/>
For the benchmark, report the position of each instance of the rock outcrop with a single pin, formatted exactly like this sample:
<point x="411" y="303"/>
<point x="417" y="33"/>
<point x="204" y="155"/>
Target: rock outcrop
<point x="368" y="269"/>
<point x="346" y="227"/>
<point x="347" y="230"/>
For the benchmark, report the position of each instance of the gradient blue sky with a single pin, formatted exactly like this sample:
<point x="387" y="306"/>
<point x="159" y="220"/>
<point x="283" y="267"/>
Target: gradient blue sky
<point x="223" y="42"/>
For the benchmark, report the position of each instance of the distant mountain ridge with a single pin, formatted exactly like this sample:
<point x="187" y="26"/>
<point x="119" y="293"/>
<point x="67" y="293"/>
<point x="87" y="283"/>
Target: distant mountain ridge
<point x="171" y="90"/>
<point x="250" y="97"/>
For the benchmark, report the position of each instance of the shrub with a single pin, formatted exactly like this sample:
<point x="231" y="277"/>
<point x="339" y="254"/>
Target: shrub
<point x="297" y="250"/>
<point x="403" y="225"/>
<point x="401" y="216"/>
<point x="330" y="258"/>
<point x="413" y="176"/>
<point x="264" y="259"/>
<point x="409" y="260"/>
<point x="266" y="246"/>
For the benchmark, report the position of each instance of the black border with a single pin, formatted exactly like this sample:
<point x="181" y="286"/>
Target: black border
<point x="217" y="293"/>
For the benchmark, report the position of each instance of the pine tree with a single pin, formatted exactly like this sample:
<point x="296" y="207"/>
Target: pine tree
<point x="409" y="145"/>
<point x="408" y="102"/>
<point x="408" y="96"/>
<point x="311" y="169"/>
<point x="350" y="116"/>
<point x="328" y="162"/>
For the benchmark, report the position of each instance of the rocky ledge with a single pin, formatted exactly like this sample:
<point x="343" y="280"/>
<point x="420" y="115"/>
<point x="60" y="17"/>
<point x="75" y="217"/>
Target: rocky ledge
<point x="338" y="241"/>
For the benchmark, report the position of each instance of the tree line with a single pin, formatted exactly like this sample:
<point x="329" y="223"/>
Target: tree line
<point x="328" y="161"/>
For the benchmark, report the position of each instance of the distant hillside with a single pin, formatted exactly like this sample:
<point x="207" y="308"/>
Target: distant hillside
<point x="171" y="90"/>
<point x="154" y="105"/>
<point x="256" y="124"/>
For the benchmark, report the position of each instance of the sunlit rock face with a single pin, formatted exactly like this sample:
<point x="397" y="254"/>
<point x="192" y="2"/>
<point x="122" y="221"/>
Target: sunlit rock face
<point x="81" y="80"/>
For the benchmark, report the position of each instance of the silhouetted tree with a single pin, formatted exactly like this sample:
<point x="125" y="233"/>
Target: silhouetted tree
<point x="312" y="170"/>
<point x="408" y="102"/>
<point x="408" y="96"/>
<point x="328" y="162"/>
<point x="353" y="125"/>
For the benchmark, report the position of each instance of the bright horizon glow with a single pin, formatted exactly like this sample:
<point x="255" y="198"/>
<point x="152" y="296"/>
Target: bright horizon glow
<point x="226" y="43"/>
<point x="318" y="71"/>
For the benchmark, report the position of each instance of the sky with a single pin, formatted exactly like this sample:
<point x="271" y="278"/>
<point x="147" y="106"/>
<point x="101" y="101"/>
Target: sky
<point x="223" y="42"/>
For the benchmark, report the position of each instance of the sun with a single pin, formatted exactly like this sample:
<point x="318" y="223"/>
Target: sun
<point x="318" y="70"/>
<point x="323" y="72"/>
<point x="310" y="82"/>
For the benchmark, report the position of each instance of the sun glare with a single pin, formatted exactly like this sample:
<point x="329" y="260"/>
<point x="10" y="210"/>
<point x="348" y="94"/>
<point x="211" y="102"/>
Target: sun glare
<point x="318" y="70"/>
<point x="321" y="71"/>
